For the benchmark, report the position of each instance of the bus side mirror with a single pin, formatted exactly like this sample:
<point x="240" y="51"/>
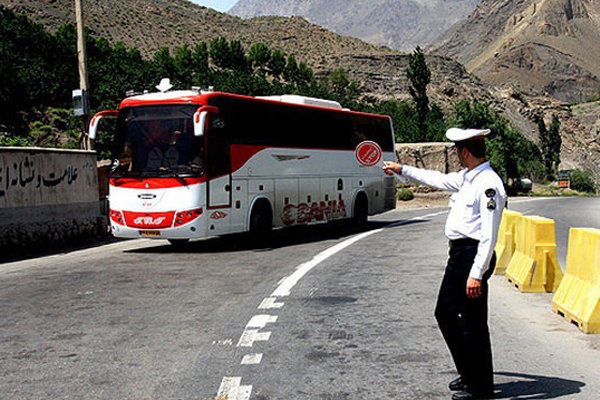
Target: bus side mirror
<point x="200" y="119"/>
<point x="95" y="121"/>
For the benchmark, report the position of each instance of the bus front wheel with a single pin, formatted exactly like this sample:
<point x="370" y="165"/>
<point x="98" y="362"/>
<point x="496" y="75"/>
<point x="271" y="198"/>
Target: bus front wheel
<point x="178" y="242"/>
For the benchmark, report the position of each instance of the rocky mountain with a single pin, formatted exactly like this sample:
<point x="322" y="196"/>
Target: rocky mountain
<point x="151" y="24"/>
<point x="379" y="71"/>
<point x="399" y="24"/>
<point x="539" y="47"/>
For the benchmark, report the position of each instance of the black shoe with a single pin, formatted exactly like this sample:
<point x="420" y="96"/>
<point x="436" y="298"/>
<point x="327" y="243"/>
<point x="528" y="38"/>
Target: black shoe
<point x="457" y="384"/>
<point x="465" y="395"/>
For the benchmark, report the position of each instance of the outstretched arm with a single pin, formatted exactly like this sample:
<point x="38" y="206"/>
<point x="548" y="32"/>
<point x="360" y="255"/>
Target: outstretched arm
<point x="450" y="182"/>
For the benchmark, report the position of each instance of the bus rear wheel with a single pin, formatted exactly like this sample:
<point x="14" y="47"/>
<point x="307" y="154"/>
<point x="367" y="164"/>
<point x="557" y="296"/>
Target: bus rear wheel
<point x="261" y="219"/>
<point x="361" y="211"/>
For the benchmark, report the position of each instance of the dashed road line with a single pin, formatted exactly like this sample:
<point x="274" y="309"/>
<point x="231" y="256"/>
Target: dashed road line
<point x="287" y="284"/>
<point x="231" y="388"/>
<point x="249" y="336"/>
<point x="269" y="303"/>
<point x="252" y="359"/>
<point x="259" y="321"/>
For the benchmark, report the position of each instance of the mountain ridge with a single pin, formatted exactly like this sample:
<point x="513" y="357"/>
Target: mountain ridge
<point x="399" y="24"/>
<point x="380" y="72"/>
<point x="547" y="47"/>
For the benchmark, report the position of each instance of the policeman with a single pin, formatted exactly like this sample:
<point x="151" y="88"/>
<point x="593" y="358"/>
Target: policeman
<point x="472" y="229"/>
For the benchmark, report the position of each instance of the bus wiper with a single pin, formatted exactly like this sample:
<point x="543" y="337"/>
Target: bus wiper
<point x="174" y="174"/>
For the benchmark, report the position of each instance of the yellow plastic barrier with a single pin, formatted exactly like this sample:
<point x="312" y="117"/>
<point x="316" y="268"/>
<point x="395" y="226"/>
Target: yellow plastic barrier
<point x="578" y="296"/>
<point x="505" y="246"/>
<point x="534" y="266"/>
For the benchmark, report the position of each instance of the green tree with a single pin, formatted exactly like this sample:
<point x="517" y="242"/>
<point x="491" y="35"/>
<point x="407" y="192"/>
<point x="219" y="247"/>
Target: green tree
<point x="550" y="143"/>
<point x="163" y="65"/>
<point x="183" y="65"/>
<point x="583" y="181"/>
<point x="404" y="119"/>
<point x="239" y="61"/>
<point x="220" y="53"/>
<point x="341" y="87"/>
<point x="419" y="77"/>
<point x="555" y="143"/>
<point x="259" y="56"/>
<point x="509" y="152"/>
<point x="277" y="63"/>
<point x="291" y="71"/>
<point x="305" y="74"/>
<point x="200" y="57"/>
<point x="435" y="124"/>
<point x="202" y="73"/>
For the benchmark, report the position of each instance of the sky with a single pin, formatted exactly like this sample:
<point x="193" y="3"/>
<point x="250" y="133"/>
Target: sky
<point x="219" y="5"/>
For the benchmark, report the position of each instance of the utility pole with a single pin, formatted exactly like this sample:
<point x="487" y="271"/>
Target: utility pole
<point x="83" y="75"/>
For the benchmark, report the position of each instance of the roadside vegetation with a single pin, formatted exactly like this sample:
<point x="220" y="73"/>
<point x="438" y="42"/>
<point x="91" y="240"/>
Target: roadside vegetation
<point x="39" y="71"/>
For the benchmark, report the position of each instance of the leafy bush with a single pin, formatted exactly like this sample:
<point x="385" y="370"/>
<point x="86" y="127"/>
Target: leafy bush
<point x="405" y="194"/>
<point x="583" y="181"/>
<point x="14" y="141"/>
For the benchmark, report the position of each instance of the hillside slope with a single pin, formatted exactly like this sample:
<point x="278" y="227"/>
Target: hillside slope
<point x="540" y="47"/>
<point x="399" y="24"/>
<point x="379" y="71"/>
<point x="151" y="24"/>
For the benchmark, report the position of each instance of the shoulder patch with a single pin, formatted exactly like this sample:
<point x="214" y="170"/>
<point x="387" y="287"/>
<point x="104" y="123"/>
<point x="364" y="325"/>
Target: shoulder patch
<point x="491" y="205"/>
<point x="490" y="193"/>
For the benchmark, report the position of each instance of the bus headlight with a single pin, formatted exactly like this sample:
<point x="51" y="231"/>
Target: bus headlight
<point x="116" y="217"/>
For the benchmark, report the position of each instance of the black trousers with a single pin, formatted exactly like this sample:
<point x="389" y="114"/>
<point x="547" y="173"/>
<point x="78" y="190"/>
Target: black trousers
<point x="463" y="321"/>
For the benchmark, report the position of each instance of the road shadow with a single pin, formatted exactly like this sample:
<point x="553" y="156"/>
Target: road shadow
<point x="525" y="386"/>
<point x="277" y="239"/>
<point x="37" y="250"/>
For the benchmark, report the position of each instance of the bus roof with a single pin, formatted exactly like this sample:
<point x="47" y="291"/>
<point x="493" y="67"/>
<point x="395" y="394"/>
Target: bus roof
<point x="202" y="98"/>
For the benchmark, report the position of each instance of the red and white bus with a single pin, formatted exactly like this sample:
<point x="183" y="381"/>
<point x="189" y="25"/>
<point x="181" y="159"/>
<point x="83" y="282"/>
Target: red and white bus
<point x="195" y="164"/>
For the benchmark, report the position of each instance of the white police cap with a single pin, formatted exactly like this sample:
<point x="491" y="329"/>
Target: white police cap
<point x="458" y="135"/>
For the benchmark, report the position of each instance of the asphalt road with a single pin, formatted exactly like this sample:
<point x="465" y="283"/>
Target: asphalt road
<point x="340" y="319"/>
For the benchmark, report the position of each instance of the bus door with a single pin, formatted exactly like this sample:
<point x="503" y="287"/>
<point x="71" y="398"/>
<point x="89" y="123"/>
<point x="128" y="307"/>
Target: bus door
<point x="218" y="178"/>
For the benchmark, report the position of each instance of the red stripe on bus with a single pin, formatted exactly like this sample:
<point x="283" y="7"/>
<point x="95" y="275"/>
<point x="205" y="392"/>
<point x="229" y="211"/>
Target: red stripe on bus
<point x="154" y="183"/>
<point x="155" y="220"/>
<point x="240" y="154"/>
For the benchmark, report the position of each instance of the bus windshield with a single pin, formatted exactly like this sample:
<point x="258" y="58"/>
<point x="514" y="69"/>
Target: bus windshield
<point x="158" y="141"/>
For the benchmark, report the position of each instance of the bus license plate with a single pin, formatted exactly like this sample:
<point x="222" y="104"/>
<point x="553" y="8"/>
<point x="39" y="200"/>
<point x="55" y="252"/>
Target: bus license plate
<point x="150" y="233"/>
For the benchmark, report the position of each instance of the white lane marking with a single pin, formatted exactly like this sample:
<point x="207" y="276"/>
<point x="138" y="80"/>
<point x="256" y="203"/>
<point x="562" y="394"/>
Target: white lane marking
<point x="252" y="359"/>
<point x="231" y="389"/>
<point x="225" y="342"/>
<point x="259" y="321"/>
<point x="249" y="336"/>
<point x="270" y="302"/>
<point x="244" y="392"/>
<point x="286" y="284"/>
<point x="538" y="199"/>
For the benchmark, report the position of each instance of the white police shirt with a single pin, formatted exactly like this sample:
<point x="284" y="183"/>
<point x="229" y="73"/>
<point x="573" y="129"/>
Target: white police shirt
<point x="476" y="209"/>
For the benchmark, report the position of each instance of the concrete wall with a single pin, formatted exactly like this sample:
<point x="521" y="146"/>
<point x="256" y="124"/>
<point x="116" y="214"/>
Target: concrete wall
<point x="436" y="156"/>
<point x="47" y="196"/>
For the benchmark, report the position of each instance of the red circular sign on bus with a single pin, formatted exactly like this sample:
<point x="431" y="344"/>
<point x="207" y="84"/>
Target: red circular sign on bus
<point x="368" y="153"/>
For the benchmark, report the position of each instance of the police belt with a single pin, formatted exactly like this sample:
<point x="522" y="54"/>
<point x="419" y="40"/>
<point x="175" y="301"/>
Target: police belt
<point x="463" y="242"/>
